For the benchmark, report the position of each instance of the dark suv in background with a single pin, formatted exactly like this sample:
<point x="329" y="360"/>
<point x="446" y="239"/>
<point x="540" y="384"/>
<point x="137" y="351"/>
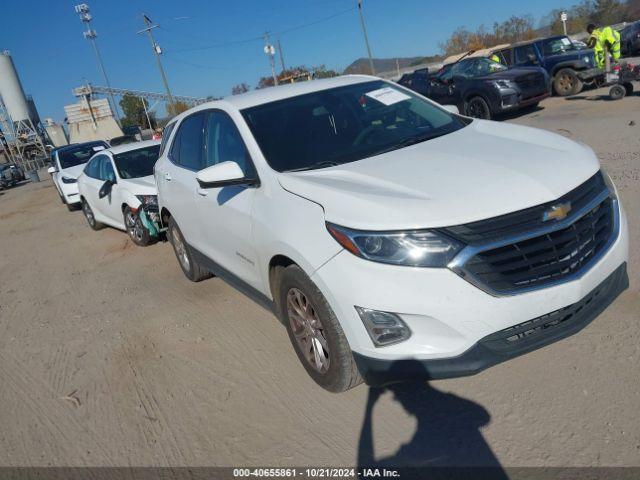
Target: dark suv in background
<point x="570" y="65"/>
<point x="630" y="39"/>
<point x="482" y="88"/>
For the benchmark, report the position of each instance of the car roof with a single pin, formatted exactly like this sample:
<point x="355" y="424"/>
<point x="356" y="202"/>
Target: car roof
<point x="127" y="147"/>
<point x="281" y="92"/>
<point x="73" y="146"/>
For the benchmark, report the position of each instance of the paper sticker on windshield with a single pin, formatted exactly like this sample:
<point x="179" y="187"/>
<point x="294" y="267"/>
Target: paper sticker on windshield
<point x="566" y="41"/>
<point x="98" y="148"/>
<point x="388" y="95"/>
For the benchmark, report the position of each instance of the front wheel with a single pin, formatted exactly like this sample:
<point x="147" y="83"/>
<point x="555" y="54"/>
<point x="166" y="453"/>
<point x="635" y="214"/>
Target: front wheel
<point x="477" y="107"/>
<point x="566" y="82"/>
<point x="315" y="332"/>
<point x="135" y="229"/>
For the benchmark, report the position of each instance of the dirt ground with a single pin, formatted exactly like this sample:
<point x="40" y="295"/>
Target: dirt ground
<point x="109" y="356"/>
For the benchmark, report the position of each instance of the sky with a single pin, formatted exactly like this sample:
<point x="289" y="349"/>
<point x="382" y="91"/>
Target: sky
<point x="209" y="46"/>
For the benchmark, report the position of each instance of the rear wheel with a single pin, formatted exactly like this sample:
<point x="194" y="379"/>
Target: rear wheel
<point x="88" y="214"/>
<point x="477" y="107"/>
<point x="191" y="269"/>
<point x="315" y="332"/>
<point x="136" y="230"/>
<point x="566" y="82"/>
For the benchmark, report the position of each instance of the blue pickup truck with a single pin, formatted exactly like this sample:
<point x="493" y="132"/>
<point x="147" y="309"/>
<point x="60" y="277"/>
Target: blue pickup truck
<point x="570" y="65"/>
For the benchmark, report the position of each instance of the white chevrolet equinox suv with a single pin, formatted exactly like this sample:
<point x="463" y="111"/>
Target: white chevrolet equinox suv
<point x="392" y="237"/>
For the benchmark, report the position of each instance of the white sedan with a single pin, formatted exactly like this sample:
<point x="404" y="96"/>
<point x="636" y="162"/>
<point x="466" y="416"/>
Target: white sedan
<point x="67" y="163"/>
<point x="117" y="188"/>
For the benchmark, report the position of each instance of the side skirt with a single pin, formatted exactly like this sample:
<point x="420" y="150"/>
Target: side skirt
<point x="233" y="280"/>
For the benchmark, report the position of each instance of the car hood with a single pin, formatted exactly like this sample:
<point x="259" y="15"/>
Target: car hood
<point x="481" y="171"/>
<point x="141" y="185"/>
<point x="73" y="172"/>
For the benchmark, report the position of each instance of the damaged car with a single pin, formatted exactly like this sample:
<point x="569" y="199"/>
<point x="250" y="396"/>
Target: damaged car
<point x="117" y="189"/>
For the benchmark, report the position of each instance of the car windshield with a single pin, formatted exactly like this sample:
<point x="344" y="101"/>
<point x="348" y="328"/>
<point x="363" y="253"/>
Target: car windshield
<point x="555" y="46"/>
<point x="344" y="124"/>
<point x="137" y="163"/>
<point x="78" y="155"/>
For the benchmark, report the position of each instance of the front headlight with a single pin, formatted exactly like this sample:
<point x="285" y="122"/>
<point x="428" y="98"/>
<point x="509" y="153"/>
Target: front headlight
<point x="502" y="84"/>
<point x="69" y="180"/>
<point x="414" y="248"/>
<point x="148" y="199"/>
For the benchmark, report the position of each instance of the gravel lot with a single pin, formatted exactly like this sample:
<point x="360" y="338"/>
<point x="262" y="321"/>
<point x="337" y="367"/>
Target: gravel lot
<point x="109" y="356"/>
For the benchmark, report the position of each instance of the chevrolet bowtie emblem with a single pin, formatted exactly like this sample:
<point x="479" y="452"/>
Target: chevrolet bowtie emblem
<point x="557" y="212"/>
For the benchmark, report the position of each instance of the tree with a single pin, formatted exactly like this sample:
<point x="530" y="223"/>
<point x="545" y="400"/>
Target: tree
<point x="133" y="108"/>
<point x="240" y="88"/>
<point x="177" y="108"/>
<point x="321" y="71"/>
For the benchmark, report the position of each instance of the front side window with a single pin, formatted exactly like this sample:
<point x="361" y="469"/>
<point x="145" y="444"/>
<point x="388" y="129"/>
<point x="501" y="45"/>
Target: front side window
<point x="106" y="169"/>
<point x="72" y="156"/>
<point x="137" y="163"/>
<point x="187" y="146"/>
<point x="345" y="124"/>
<point x="225" y="144"/>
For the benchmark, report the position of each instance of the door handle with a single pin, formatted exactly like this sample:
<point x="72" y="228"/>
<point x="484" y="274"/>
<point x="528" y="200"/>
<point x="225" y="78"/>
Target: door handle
<point x="167" y="177"/>
<point x="201" y="192"/>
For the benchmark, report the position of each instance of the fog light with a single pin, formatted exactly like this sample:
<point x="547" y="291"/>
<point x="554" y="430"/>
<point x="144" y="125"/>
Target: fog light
<point x="384" y="328"/>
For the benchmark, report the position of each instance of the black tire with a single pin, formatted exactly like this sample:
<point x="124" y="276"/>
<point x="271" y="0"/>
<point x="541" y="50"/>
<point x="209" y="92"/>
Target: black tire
<point x="88" y="215"/>
<point x="137" y="232"/>
<point x="477" y="107"/>
<point x="341" y="373"/>
<point x="617" y="92"/>
<point x="191" y="269"/>
<point x="72" y="207"/>
<point x="566" y="82"/>
<point x="628" y="87"/>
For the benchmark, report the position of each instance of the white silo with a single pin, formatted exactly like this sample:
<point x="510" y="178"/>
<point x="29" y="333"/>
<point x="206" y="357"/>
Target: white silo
<point x="11" y="89"/>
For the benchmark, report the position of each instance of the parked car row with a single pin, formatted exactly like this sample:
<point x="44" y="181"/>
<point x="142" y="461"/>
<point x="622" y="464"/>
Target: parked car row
<point x="393" y="237"/>
<point x="526" y="73"/>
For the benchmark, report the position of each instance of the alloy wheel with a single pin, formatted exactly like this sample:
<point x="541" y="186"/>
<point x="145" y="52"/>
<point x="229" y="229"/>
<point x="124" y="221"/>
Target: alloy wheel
<point x="134" y="226"/>
<point x="477" y="109"/>
<point x="181" y="250"/>
<point x="308" y="330"/>
<point x="88" y="213"/>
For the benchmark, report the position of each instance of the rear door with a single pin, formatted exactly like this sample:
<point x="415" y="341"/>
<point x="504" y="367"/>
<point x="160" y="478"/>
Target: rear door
<point x="178" y="178"/>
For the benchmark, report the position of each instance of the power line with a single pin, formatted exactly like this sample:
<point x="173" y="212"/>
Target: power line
<point x="261" y="37"/>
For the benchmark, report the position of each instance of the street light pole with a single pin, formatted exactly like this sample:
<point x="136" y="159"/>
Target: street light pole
<point x="366" y="37"/>
<point x="85" y="17"/>
<point x="157" y="51"/>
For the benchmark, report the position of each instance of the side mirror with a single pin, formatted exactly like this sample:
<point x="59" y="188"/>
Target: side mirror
<point x="451" y="109"/>
<point x="223" y="175"/>
<point x="51" y="170"/>
<point x="105" y="189"/>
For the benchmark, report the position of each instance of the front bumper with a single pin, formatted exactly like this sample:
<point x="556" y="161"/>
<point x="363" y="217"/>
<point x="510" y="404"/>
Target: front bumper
<point x="503" y="345"/>
<point x="511" y="99"/>
<point x="447" y="315"/>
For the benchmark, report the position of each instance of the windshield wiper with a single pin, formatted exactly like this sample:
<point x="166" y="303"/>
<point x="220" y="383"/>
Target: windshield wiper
<point x="314" y="166"/>
<point x="411" y="141"/>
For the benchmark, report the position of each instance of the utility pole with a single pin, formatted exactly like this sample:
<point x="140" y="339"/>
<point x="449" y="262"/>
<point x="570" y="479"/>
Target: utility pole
<point x="281" y="55"/>
<point x="85" y="17"/>
<point x="149" y="25"/>
<point x="271" y="52"/>
<point x="366" y="37"/>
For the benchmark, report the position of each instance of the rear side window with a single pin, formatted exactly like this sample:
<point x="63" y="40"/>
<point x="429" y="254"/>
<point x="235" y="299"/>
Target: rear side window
<point x="525" y="54"/>
<point x="165" y="136"/>
<point x="506" y="56"/>
<point x="187" y="146"/>
<point x="91" y="170"/>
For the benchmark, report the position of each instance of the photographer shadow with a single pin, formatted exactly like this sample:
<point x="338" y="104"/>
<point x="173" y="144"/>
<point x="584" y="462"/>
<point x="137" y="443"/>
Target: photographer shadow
<point x="447" y="439"/>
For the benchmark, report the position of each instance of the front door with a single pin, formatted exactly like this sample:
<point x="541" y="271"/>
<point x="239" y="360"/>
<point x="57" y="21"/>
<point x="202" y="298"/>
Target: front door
<point x="224" y="213"/>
